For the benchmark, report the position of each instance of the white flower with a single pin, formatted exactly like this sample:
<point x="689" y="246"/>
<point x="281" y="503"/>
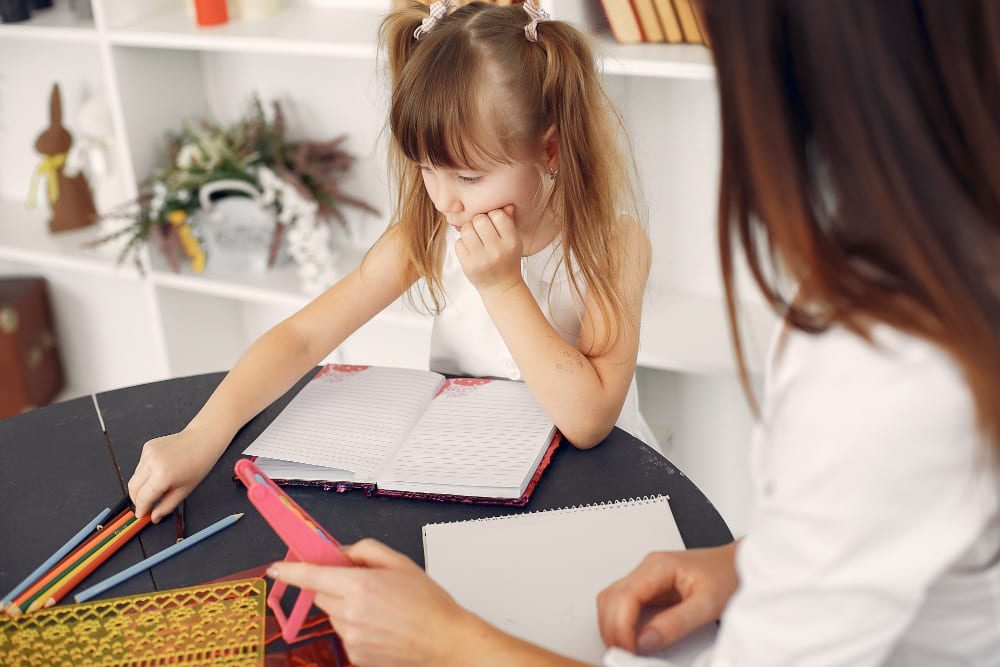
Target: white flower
<point x="189" y="155"/>
<point x="213" y="148"/>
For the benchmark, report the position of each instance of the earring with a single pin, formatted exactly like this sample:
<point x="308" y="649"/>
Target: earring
<point x="553" y="174"/>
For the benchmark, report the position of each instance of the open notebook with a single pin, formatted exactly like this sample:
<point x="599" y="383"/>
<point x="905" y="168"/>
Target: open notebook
<point x="537" y="575"/>
<point x="401" y="431"/>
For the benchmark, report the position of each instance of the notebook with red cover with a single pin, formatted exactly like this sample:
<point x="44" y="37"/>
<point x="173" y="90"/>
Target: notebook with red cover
<point x="410" y="433"/>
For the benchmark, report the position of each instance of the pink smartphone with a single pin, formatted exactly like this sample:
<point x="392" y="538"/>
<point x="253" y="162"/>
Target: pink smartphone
<point x="306" y="540"/>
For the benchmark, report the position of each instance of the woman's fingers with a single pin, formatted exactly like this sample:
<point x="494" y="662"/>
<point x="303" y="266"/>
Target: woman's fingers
<point x="372" y="553"/>
<point x="321" y="578"/>
<point x="618" y="606"/>
<point x="672" y="623"/>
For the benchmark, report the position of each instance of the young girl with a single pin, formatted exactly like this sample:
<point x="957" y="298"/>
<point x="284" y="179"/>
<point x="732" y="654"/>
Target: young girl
<point x="514" y="208"/>
<point x="861" y="178"/>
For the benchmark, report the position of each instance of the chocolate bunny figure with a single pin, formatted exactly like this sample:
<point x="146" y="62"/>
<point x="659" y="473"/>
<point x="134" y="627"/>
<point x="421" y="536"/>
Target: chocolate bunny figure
<point x="70" y="196"/>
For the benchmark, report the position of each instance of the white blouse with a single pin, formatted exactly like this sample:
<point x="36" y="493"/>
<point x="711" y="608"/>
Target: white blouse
<point x="464" y="340"/>
<point x="873" y="539"/>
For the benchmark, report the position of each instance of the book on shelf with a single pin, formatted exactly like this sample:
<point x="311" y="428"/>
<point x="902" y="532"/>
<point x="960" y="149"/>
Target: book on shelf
<point x="672" y="32"/>
<point x="700" y="20"/>
<point x="412" y="433"/>
<point x="689" y="22"/>
<point x="623" y="21"/>
<point x="652" y="29"/>
<point x="536" y="575"/>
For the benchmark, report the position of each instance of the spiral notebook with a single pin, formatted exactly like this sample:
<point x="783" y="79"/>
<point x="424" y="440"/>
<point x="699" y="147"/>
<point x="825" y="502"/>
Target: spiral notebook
<point x="537" y="575"/>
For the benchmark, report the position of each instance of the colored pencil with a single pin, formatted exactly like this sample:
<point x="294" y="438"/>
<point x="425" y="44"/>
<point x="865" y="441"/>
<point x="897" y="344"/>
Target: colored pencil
<point x="39" y="597"/>
<point x="143" y="565"/>
<point x="55" y="558"/>
<point x="18" y="605"/>
<point x="180" y="521"/>
<point x="124" y="504"/>
<point x="75" y="579"/>
<point x="114" y="537"/>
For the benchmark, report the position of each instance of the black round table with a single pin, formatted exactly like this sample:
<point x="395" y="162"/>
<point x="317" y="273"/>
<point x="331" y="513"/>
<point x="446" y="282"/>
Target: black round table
<point x="65" y="462"/>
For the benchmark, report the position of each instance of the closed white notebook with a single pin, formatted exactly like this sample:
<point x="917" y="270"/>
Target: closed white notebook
<point x="537" y="575"/>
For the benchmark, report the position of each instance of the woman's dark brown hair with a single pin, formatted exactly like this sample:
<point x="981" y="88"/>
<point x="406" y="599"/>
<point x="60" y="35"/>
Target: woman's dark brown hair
<point x="861" y="159"/>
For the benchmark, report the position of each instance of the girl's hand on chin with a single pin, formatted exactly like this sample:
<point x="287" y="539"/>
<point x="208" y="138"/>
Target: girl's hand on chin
<point x="489" y="250"/>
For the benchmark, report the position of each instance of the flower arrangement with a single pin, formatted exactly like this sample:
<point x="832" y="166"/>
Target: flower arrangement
<point x="298" y="180"/>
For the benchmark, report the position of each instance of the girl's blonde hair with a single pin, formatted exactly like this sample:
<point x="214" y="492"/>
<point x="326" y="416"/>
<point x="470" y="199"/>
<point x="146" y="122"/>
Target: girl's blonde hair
<point x="476" y="88"/>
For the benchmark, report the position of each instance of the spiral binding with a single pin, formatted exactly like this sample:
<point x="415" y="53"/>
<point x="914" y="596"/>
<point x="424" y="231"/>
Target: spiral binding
<point x="643" y="500"/>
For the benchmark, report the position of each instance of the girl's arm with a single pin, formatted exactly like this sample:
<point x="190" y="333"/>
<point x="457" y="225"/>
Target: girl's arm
<point x="171" y="466"/>
<point x="580" y="390"/>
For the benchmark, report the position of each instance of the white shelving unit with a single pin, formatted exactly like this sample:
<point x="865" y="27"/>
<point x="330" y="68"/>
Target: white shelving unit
<point x="118" y="325"/>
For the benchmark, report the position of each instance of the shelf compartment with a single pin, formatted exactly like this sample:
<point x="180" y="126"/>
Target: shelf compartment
<point x="236" y="316"/>
<point x="106" y="333"/>
<point x="28" y="70"/>
<point x="295" y="29"/>
<point x="25" y="237"/>
<point x="278" y="288"/>
<point x="667" y="61"/>
<point x="56" y="24"/>
<point x="348" y="32"/>
<point x="689" y="333"/>
<point x="681" y="331"/>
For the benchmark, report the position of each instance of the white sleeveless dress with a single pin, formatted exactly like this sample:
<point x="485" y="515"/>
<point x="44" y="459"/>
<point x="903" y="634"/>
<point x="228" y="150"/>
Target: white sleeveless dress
<point x="464" y="340"/>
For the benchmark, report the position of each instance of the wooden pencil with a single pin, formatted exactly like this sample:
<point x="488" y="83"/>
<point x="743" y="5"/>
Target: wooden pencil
<point x="83" y="571"/>
<point x="18" y="605"/>
<point x="157" y="558"/>
<point x="39" y="597"/>
<point x="180" y="520"/>
<point x="79" y="538"/>
<point x="124" y="504"/>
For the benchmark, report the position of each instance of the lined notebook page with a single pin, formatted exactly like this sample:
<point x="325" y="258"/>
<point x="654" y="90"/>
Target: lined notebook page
<point x="477" y="433"/>
<point x="537" y="575"/>
<point x="348" y="417"/>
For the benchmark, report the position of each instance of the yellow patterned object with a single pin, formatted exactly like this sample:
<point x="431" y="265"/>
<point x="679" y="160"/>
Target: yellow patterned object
<point x="213" y="624"/>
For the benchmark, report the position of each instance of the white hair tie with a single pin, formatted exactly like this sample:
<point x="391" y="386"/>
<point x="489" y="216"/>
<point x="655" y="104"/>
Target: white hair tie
<point x="438" y="11"/>
<point x="537" y="14"/>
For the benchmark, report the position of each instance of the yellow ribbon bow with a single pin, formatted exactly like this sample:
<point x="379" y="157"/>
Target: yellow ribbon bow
<point x="48" y="167"/>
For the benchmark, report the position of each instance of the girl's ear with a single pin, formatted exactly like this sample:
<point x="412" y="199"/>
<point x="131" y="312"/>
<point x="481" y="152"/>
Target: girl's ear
<point x="550" y="146"/>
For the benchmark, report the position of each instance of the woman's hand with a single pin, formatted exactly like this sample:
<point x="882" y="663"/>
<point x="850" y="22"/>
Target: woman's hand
<point x="695" y="586"/>
<point x="168" y="470"/>
<point x="490" y="249"/>
<point x="387" y="612"/>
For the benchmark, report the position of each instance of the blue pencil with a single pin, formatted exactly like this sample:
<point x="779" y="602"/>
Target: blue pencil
<point x="143" y="565"/>
<point x="55" y="558"/>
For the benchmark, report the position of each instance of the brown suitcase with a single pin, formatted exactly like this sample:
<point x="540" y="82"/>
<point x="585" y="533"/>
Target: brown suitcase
<point x="30" y="372"/>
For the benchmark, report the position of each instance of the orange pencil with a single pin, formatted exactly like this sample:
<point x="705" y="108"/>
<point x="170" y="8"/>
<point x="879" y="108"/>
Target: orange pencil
<point x="36" y="600"/>
<point x="91" y="564"/>
<point x="59" y="569"/>
<point x="95" y="557"/>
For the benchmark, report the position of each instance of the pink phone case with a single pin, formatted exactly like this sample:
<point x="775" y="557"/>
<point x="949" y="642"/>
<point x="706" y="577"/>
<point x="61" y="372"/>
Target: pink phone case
<point x="306" y="540"/>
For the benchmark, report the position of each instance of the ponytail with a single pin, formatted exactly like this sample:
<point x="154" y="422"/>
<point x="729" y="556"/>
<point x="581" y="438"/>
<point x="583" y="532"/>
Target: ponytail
<point x="395" y="35"/>
<point x="478" y="87"/>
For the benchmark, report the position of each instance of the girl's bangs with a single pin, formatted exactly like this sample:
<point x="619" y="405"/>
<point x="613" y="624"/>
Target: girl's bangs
<point x="447" y="125"/>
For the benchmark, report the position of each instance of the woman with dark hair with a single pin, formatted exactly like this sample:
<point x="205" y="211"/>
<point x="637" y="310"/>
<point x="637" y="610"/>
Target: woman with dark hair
<point x="861" y="181"/>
